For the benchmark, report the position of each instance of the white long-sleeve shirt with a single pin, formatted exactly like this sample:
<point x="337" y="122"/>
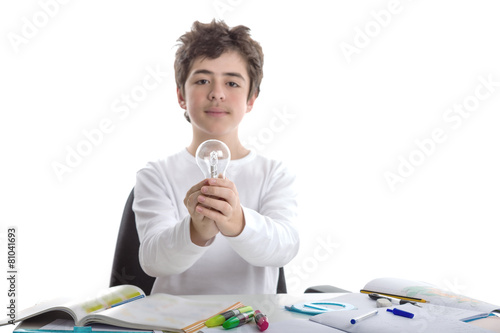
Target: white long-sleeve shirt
<point x="245" y="264"/>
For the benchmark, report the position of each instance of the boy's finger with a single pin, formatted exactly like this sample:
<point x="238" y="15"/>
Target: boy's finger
<point x="222" y="182"/>
<point x="211" y="214"/>
<point x="224" y="193"/>
<point x="221" y="206"/>
<point x="191" y="200"/>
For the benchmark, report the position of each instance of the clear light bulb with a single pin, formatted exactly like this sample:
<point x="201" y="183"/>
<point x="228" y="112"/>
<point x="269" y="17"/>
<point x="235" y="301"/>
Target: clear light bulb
<point x="213" y="157"/>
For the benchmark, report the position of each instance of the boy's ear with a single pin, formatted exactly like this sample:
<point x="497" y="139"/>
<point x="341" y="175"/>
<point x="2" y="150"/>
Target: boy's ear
<point x="250" y="102"/>
<point x="180" y="99"/>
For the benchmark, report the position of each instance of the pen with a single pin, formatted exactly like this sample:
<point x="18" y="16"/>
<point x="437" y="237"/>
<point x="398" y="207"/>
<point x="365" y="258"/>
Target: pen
<point x="363" y="317"/>
<point x="261" y="320"/>
<point x="401" y="313"/>
<point x="221" y="318"/>
<point x="407" y="298"/>
<point x="238" y="320"/>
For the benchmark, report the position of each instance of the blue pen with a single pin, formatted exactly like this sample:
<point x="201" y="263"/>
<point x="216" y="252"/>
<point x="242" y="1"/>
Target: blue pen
<point x="363" y="317"/>
<point x="401" y="313"/>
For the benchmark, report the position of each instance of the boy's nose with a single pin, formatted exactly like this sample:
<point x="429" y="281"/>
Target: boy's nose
<point x="217" y="94"/>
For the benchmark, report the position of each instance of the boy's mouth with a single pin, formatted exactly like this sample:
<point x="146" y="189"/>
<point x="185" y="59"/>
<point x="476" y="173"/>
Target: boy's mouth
<point x="216" y="112"/>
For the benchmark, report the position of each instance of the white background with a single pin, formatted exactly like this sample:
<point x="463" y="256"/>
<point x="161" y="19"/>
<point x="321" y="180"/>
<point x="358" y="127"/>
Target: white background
<point x="340" y="121"/>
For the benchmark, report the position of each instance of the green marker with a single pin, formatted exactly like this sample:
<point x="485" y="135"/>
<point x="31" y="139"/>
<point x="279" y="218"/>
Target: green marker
<point x="239" y="320"/>
<point x="221" y="318"/>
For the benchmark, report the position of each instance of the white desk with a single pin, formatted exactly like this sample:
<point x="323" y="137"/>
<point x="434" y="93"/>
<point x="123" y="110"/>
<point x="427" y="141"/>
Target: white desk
<point x="273" y="306"/>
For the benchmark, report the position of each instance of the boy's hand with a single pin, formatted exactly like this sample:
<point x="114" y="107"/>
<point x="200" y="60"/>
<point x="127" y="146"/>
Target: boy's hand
<point x="220" y="202"/>
<point x="202" y="228"/>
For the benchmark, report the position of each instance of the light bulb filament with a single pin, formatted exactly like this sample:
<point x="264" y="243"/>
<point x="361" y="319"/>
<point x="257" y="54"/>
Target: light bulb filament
<point x="214" y="160"/>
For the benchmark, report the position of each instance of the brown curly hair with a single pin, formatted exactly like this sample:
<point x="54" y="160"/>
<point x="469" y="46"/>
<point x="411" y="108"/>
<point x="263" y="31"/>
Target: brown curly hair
<point x="210" y="40"/>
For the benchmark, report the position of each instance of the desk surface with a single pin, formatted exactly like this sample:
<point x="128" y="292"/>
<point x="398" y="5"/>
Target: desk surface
<point x="273" y="306"/>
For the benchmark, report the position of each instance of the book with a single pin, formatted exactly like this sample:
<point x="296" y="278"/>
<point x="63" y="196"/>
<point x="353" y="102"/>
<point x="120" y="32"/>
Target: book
<point x="433" y="310"/>
<point x="423" y="292"/>
<point x="127" y="306"/>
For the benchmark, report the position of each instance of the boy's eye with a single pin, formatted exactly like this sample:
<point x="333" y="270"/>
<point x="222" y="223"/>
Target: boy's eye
<point x="202" y="81"/>
<point x="233" y="84"/>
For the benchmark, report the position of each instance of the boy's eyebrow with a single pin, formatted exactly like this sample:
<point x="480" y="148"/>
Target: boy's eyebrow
<point x="206" y="71"/>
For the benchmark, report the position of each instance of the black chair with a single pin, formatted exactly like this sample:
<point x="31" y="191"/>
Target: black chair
<point x="126" y="267"/>
<point x="326" y="288"/>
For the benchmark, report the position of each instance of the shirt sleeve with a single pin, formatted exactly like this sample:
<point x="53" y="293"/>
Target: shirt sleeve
<point x="270" y="237"/>
<point x="165" y="241"/>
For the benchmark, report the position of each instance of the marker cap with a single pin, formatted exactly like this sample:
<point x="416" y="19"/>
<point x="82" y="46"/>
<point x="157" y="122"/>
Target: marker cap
<point x="215" y="321"/>
<point x="261" y="321"/>
<point x="238" y="320"/>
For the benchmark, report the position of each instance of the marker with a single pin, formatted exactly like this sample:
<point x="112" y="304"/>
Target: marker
<point x="401" y="313"/>
<point x="261" y="321"/>
<point x="221" y="318"/>
<point x="363" y="317"/>
<point x="239" y="320"/>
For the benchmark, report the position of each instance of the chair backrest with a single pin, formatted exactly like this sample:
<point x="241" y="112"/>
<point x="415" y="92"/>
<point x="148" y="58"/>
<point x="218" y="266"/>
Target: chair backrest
<point x="281" y="288"/>
<point x="126" y="267"/>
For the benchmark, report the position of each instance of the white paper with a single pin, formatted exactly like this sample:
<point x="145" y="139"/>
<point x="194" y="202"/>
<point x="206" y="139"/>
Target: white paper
<point x="428" y="318"/>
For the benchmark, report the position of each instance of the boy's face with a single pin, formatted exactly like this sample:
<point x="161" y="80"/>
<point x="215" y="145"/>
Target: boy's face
<point x="216" y="94"/>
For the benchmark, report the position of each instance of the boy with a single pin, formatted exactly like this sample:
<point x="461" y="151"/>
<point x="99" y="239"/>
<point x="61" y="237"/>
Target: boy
<point x="225" y="235"/>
